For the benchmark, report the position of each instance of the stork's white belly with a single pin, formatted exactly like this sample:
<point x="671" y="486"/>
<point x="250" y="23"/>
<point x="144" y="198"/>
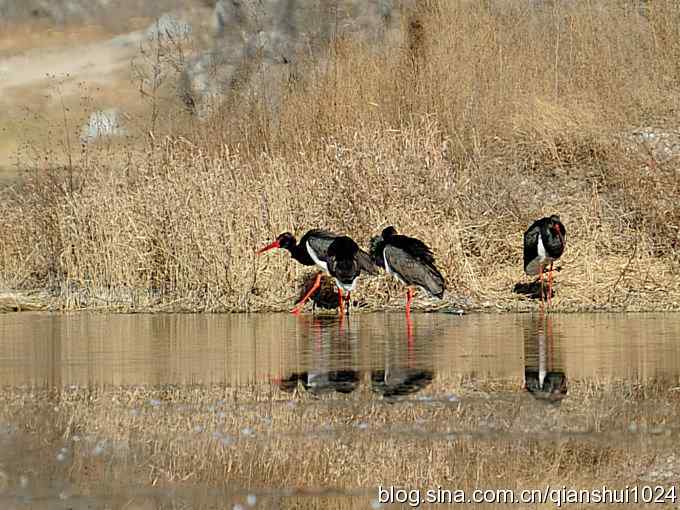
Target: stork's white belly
<point x="347" y="287"/>
<point x="320" y="263"/>
<point x="541" y="260"/>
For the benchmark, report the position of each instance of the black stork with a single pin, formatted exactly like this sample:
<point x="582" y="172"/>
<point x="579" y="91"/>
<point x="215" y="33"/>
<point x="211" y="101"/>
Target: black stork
<point x="312" y="250"/>
<point x="410" y="261"/>
<point x="544" y="243"/>
<point x="343" y="261"/>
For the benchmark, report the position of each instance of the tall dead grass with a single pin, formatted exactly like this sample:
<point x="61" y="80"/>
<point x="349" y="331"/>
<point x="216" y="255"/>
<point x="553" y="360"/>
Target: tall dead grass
<point x="486" y="116"/>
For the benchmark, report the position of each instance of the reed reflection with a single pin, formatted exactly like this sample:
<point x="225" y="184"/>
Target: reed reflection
<point x="544" y="376"/>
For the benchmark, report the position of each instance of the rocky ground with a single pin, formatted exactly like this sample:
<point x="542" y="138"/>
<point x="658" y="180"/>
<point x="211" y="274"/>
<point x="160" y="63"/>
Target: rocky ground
<point x="91" y="57"/>
<point x="94" y="57"/>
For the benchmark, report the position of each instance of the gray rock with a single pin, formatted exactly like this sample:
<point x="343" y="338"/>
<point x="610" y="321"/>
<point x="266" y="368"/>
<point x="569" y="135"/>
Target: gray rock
<point x="206" y="80"/>
<point x="654" y="144"/>
<point x="168" y="27"/>
<point x="258" y="42"/>
<point x="102" y="123"/>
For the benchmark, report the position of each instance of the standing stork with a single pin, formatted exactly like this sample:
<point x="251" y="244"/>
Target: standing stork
<point x="544" y="243"/>
<point x="410" y="261"/>
<point x="343" y="261"/>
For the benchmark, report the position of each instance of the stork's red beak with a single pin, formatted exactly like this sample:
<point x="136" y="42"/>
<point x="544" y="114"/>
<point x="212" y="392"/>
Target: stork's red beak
<point x="271" y="246"/>
<point x="559" y="234"/>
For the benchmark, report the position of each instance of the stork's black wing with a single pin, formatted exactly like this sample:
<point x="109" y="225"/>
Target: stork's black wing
<point x="365" y="262"/>
<point x="319" y="240"/>
<point x="414" y="271"/>
<point x="531" y="243"/>
<point x="414" y="247"/>
<point x="346" y="260"/>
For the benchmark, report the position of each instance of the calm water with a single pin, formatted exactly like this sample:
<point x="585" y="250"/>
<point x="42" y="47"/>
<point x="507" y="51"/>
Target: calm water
<point x="82" y="349"/>
<point x="368" y="356"/>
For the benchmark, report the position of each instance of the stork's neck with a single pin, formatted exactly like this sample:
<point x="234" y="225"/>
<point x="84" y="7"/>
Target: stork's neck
<point x="298" y="251"/>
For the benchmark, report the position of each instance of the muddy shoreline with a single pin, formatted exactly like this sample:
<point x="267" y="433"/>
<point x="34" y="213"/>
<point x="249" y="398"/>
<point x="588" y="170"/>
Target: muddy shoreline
<point x="44" y="301"/>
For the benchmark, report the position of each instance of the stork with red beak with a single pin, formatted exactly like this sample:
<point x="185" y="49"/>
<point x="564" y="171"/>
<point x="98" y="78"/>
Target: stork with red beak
<point x="339" y="256"/>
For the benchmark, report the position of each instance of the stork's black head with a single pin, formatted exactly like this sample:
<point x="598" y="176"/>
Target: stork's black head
<point x="286" y="241"/>
<point x="343" y="247"/>
<point x="389" y="232"/>
<point x="556" y="226"/>
<point x="556" y="239"/>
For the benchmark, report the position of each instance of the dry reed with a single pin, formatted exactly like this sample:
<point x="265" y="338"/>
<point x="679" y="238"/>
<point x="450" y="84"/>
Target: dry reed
<point x="487" y="116"/>
<point x="256" y="437"/>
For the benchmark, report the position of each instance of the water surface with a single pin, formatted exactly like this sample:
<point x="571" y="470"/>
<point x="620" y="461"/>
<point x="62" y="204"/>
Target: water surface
<point x="366" y="380"/>
<point x="59" y="350"/>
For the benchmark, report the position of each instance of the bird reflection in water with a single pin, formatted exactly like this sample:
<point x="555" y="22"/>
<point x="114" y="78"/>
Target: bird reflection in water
<point x="333" y="347"/>
<point x="541" y="378"/>
<point x="403" y="372"/>
<point x="333" y="353"/>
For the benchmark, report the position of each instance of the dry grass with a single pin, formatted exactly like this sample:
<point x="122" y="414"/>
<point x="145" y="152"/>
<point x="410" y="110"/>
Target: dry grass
<point x="487" y="117"/>
<point x="49" y="69"/>
<point x="23" y="301"/>
<point x="256" y="438"/>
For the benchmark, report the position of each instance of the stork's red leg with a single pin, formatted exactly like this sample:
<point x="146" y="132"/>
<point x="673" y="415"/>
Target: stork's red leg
<point x="347" y="302"/>
<point x="409" y="335"/>
<point x="541" y="278"/>
<point x="409" y="298"/>
<point x="301" y="303"/>
<point x="340" y="302"/>
<point x="549" y="337"/>
<point x="550" y="274"/>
